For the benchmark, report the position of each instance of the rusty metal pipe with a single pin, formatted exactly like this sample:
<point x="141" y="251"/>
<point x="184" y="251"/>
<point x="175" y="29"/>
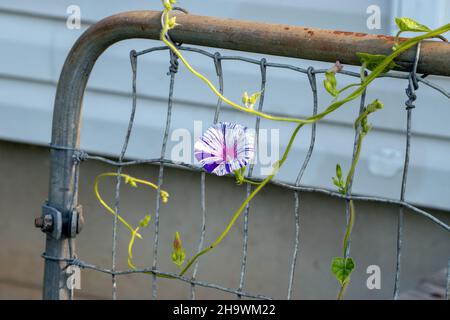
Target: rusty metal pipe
<point x="274" y="39"/>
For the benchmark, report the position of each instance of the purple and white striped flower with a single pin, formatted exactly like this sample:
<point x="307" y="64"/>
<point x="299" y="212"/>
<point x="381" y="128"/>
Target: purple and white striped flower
<point x="225" y="147"/>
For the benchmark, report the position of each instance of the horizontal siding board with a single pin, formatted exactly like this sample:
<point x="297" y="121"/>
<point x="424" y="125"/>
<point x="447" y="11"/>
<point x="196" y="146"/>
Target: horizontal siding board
<point x="43" y="60"/>
<point x="103" y="131"/>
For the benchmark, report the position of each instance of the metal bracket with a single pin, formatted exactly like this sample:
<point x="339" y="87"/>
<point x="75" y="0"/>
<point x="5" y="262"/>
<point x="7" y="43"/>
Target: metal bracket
<point x="60" y="224"/>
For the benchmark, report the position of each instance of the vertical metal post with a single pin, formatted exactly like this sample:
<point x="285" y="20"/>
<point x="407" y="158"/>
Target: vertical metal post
<point x="66" y="130"/>
<point x="55" y="279"/>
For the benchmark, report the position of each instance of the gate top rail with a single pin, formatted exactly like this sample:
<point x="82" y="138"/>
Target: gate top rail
<point x="275" y="39"/>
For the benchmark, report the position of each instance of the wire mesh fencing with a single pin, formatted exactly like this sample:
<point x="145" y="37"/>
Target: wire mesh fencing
<point x="73" y="157"/>
<point x="79" y="156"/>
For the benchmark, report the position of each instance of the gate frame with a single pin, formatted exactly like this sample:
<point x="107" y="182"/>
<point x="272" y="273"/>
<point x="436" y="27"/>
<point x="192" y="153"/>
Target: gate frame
<point x="273" y="39"/>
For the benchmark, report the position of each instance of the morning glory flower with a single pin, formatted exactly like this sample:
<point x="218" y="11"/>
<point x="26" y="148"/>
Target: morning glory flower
<point x="225" y="147"/>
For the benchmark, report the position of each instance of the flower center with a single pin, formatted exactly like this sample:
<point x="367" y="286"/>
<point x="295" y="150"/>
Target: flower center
<point x="229" y="153"/>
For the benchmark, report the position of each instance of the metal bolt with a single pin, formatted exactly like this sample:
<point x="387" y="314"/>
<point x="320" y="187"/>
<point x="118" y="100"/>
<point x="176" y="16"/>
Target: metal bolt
<point x="39" y="222"/>
<point x="80" y="222"/>
<point x="45" y="223"/>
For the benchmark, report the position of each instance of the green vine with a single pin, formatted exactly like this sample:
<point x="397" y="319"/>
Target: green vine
<point x="341" y="267"/>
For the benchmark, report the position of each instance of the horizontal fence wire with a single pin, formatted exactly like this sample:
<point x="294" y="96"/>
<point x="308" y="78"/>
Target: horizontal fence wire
<point x="296" y="187"/>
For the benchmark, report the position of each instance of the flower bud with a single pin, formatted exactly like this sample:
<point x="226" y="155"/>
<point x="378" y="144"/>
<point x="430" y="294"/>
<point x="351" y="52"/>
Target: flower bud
<point x="177" y="241"/>
<point x="144" y="222"/>
<point x="164" y="197"/>
<point x="130" y="181"/>
<point x="178" y="253"/>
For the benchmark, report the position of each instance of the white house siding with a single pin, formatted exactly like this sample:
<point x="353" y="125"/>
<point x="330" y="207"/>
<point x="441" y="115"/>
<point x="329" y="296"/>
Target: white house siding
<point x="35" y="42"/>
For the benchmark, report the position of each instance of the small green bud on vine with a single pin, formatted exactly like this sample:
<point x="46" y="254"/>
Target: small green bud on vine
<point x="374" y="106"/>
<point x="254" y="97"/>
<point x="330" y="83"/>
<point x="250" y="101"/>
<point x="130" y="181"/>
<point x="338" y="181"/>
<point x="144" y="222"/>
<point x="164" y="196"/>
<point x="245" y="98"/>
<point x="338" y="171"/>
<point x="239" y="175"/>
<point x="178" y="253"/>
<point x="172" y="23"/>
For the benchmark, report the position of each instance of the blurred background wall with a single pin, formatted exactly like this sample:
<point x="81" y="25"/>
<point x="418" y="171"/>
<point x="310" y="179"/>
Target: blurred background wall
<point x="271" y="236"/>
<point x="34" y="42"/>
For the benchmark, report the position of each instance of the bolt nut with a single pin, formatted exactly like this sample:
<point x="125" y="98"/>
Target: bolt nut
<point x="45" y="223"/>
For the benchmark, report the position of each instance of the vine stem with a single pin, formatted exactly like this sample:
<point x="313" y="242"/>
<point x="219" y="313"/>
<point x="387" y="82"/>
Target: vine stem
<point x="128" y="179"/>
<point x="342" y="291"/>
<point x="333" y="106"/>
<point x="130" y="248"/>
<point x="348" y="232"/>
<point x="351" y="220"/>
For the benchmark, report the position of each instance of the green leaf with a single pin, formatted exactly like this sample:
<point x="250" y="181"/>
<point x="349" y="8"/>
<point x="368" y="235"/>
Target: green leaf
<point x="342" y="269"/>
<point x="372" y="61"/>
<point x="254" y="97"/>
<point x="407" y="24"/>
<point x="330" y="83"/>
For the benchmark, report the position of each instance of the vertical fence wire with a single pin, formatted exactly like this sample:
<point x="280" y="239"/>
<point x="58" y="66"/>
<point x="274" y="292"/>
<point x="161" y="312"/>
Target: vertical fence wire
<point x="263" y="71"/>
<point x="133" y="61"/>
<point x="313" y="85"/>
<point x="173" y="69"/>
<point x="218" y="68"/>
<point x="447" y="287"/>
<point x="411" y="93"/>
<point x="77" y="159"/>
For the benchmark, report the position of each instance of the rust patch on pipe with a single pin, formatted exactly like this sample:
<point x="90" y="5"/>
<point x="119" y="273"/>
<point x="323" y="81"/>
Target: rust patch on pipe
<point x="299" y="42"/>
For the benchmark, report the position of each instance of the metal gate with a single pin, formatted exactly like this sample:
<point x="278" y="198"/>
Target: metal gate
<point x="62" y="216"/>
